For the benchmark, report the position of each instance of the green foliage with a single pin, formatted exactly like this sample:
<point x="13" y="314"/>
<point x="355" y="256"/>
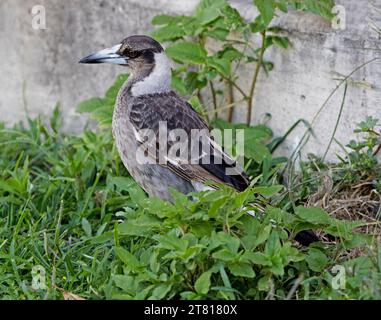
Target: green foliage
<point x="101" y="109"/>
<point x="67" y="204"/>
<point x="200" y="69"/>
<point x="363" y="156"/>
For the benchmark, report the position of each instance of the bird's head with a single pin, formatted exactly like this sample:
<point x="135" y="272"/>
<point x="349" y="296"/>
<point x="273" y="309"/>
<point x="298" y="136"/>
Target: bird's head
<point x="135" y="52"/>
<point x="150" y="69"/>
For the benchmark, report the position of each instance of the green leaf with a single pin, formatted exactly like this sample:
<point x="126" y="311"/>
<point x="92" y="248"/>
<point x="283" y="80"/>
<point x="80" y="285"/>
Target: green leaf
<point x="113" y="91"/>
<point x="91" y="105"/>
<point x="162" y="19"/>
<point x="222" y="65"/>
<point x="86" y="227"/>
<point x="232" y="18"/>
<point x="224" y="255"/>
<point x="281" y="42"/>
<point x="127" y="258"/>
<point x="268" y="192"/>
<point x="134" y="227"/>
<point x="256" y="150"/>
<point x="202" y="284"/>
<point x="316" y="260"/>
<point x="187" y="52"/>
<point x="161" y="291"/>
<point x="241" y="269"/>
<point x="168" y="33"/>
<point x="313" y="215"/>
<point x="264" y="283"/>
<point x="282" y="5"/>
<point x="171" y="242"/>
<point x="257" y="258"/>
<point x="266" y="9"/>
<point x="196" y="105"/>
<point x="178" y="84"/>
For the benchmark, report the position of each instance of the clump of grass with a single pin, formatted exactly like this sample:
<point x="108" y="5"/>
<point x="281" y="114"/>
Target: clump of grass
<point x="349" y="189"/>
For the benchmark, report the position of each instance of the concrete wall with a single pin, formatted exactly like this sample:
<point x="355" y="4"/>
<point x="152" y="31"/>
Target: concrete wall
<point x="39" y="67"/>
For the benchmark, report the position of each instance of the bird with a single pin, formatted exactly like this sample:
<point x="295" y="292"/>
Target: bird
<point x="143" y="104"/>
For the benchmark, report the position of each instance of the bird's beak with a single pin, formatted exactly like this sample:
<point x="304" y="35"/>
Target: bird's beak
<point x="109" y="55"/>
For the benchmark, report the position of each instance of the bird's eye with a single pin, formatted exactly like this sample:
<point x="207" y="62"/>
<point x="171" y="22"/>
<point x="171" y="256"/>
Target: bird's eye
<point x="134" y="54"/>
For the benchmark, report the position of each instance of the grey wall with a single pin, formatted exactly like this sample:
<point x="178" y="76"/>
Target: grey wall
<point x="39" y="67"/>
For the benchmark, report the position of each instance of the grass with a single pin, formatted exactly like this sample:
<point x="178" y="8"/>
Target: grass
<point x="70" y="212"/>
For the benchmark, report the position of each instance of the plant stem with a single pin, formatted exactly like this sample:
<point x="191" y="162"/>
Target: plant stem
<point x="240" y="90"/>
<point x="337" y="122"/>
<point x="213" y="91"/>
<point x="230" y="101"/>
<point x="255" y="78"/>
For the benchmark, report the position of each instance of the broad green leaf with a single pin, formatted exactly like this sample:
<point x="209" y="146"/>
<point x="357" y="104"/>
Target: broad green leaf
<point x="266" y="9"/>
<point x="313" y="215"/>
<point x="171" y="242"/>
<point x="178" y="84"/>
<point x="127" y="258"/>
<point x="91" y="105"/>
<point x="168" y="33"/>
<point x="264" y="283"/>
<point x="187" y="52"/>
<point x="241" y="269"/>
<point x="277" y="266"/>
<point x="281" y="42"/>
<point x="162" y="19"/>
<point x="113" y="91"/>
<point x="268" y="192"/>
<point x="202" y="284"/>
<point x="135" y="227"/>
<point x="256" y="150"/>
<point x="316" y="260"/>
<point x="225" y="255"/>
<point x="257" y="258"/>
<point x="223" y="66"/>
<point x="161" y="291"/>
<point x="232" y="18"/>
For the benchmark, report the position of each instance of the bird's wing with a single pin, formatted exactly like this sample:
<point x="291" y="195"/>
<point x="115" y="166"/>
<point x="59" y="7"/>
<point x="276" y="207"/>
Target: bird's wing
<point x="147" y="112"/>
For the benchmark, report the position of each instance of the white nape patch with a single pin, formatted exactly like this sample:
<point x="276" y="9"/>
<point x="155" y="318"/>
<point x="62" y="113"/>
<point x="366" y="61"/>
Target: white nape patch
<point x="198" y="186"/>
<point x="158" y="81"/>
